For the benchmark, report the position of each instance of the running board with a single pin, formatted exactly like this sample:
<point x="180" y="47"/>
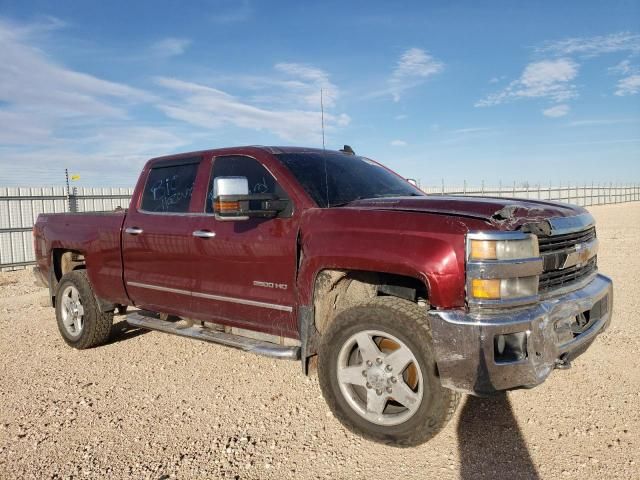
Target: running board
<point x="192" y="330"/>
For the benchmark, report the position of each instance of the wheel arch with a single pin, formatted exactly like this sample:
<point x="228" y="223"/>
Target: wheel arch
<point x="65" y="260"/>
<point x="336" y="289"/>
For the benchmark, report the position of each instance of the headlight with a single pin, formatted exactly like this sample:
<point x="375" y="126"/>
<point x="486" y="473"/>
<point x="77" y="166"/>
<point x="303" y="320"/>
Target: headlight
<point x="480" y="249"/>
<point x="502" y="267"/>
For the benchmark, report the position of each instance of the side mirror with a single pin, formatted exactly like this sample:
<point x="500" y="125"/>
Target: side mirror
<point x="232" y="200"/>
<point x="226" y="193"/>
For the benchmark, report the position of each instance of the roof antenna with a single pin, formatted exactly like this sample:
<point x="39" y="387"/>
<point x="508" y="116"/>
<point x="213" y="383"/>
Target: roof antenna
<point x="322" y="117"/>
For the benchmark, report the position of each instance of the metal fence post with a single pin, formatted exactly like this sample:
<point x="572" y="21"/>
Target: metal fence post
<point x="73" y="200"/>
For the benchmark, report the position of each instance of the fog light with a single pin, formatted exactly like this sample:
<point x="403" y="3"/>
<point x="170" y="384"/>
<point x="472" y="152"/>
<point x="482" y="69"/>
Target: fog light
<point x="510" y="347"/>
<point x="500" y="344"/>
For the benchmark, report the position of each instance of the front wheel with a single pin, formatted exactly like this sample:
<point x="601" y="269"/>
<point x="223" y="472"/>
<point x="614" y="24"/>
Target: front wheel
<point x="378" y="374"/>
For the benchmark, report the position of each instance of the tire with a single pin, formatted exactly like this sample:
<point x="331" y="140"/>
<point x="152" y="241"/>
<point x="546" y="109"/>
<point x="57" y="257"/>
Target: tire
<point x="394" y="325"/>
<point x="80" y="321"/>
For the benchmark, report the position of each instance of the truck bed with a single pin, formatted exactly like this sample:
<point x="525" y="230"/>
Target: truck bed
<point x="96" y="234"/>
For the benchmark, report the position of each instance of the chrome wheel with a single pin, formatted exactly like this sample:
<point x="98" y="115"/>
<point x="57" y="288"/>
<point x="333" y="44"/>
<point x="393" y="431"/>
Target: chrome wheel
<point x="380" y="377"/>
<point x="72" y="311"/>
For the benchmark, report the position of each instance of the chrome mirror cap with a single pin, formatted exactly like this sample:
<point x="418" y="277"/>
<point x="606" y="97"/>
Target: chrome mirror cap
<point x="230" y="186"/>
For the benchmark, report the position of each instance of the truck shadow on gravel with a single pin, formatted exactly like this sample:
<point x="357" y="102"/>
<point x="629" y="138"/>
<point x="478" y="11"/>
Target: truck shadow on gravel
<point x="490" y="442"/>
<point x="122" y="331"/>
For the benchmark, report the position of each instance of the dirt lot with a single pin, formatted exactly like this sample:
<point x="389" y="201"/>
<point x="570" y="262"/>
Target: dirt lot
<point x="149" y="405"/>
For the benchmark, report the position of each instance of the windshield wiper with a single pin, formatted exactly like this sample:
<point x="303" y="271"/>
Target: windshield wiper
<point x="362" y="197"/>
<point x="342" y="204"/>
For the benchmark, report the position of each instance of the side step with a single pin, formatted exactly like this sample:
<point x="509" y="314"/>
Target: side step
<point x="192" y="330"/>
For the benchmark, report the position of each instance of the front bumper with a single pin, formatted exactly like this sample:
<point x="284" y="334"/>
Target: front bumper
<point x="465" y="342"/>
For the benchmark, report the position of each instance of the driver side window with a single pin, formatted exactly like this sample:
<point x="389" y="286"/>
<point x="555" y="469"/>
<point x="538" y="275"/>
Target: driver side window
<point x="259" y="178"/>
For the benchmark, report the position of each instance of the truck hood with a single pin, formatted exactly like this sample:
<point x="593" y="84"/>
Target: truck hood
<point x="503" y="213"/>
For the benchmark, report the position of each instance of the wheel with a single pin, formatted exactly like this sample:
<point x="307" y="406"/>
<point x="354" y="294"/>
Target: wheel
<point x="80" y="321"/>
<point x="378" y="374"/>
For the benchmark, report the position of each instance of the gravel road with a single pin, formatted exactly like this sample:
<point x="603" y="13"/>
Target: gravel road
<point x="150" y="405"/>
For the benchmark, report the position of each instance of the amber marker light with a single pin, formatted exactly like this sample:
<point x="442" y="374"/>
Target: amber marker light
<point x="488" y="289"/>
<point x="483" y="250"/>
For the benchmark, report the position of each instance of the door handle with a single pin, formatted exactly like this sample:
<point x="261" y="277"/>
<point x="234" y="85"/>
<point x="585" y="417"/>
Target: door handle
<point x="133" y="230"/>
<point x="204" y="234"/>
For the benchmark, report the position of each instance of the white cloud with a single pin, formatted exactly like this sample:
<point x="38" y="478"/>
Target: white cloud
<point x="601" y="121"/>
<point x="413" y="68"/>
<point x="402" y="116"/>
<point x="556" y="111"/>
<point x="593" y="46"/>
<point x="621" y="68"/>
<point x="628" y="86"/>
<point x="309" y="82"/>
<point x="53" y="116"/>
<point x="544" y="79"/>
<point x="170" y="47"/>
<point x="398" y="143"/>
<point x="208" y="107"/>
<point x="33" y="83"/>
<point x="465" y="131"/>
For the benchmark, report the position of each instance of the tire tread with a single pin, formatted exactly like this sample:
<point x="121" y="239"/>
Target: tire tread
<point x="97" y="327"/>
<point x="448" y="399"/>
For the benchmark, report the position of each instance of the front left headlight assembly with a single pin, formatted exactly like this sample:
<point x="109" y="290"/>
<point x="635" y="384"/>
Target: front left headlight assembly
<point x="502" y="268"/>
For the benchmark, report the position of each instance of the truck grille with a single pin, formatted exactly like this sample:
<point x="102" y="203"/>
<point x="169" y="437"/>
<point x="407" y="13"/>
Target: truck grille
<point x="560" y="243"/>
<point x="554" y="250"/>
<point x="562" y="278"/>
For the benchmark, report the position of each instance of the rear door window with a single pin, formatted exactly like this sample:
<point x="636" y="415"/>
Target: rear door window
<point x="169" y="188"/>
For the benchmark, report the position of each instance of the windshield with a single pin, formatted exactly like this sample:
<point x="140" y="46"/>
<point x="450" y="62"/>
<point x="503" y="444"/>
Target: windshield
<point x="348" y="177"/>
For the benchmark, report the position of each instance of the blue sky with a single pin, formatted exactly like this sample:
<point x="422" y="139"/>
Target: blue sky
<point x="494" y="91"/>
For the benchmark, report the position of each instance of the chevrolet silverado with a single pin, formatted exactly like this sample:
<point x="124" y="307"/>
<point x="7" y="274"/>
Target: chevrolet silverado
<point x="403" y="300"/>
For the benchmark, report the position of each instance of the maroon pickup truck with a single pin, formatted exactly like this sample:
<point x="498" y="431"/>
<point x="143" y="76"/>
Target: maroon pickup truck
<point x="406" y="299"/>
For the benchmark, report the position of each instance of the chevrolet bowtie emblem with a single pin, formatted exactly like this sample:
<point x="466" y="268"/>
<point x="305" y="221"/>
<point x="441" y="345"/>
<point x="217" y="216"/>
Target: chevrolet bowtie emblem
<point x="582" y="254"/>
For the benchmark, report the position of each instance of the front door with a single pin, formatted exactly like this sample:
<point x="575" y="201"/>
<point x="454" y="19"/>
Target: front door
<point x="246" y="272"/>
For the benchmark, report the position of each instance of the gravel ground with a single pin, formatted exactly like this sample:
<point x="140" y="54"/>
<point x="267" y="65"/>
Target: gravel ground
<point x="150" y="405"/>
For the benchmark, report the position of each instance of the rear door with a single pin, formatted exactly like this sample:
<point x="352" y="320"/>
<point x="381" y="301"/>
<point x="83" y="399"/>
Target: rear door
<point x="157" y="239"/>
<point x="246" y="272"/>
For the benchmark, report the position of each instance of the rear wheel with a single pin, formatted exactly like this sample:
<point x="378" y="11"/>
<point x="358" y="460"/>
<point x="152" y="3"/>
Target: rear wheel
<point x="80" y="321"/>
<point x="378" y="374"/>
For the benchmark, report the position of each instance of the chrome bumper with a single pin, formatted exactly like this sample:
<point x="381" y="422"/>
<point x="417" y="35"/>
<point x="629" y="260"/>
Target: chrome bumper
<point x="466" y="347"/>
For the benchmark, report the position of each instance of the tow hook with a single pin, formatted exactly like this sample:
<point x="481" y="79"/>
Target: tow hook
<point x="563" y="363"/>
